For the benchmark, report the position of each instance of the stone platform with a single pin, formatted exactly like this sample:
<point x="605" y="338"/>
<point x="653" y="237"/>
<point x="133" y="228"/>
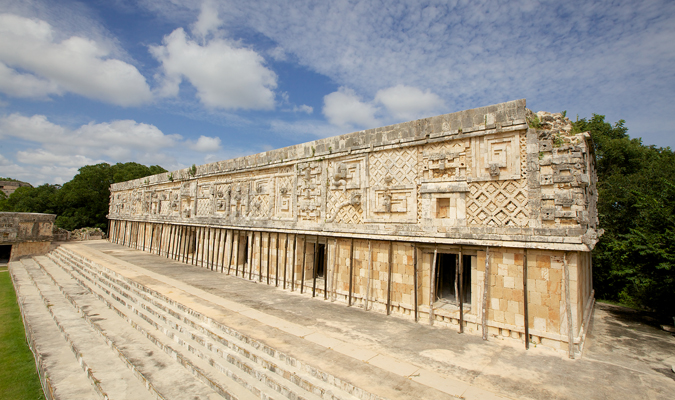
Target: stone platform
<point x="107" y="321"/>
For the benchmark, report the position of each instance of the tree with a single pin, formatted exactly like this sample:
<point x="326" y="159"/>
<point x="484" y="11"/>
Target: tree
<point x="86" y="197"/>
<point x="31" y="199"/>
<point x="634" y="262"/>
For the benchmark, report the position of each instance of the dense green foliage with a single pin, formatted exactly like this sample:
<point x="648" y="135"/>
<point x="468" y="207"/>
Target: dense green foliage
<point x="634" y="262"/>
<point x="82" y="202"/>
<point x="18" y="375"/>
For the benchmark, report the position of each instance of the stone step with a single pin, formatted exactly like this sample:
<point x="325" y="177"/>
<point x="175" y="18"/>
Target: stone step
<point x="155" y="368"/>
<point x="61" y="374"/>
<point x="199" y="345"/>
<point x="182" y="347"/>
<point x="107" y="371"/>
<point x="215" y="337"/>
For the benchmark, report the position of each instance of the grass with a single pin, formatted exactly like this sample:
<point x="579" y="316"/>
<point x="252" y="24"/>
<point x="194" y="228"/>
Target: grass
<point x="18" y="375"/>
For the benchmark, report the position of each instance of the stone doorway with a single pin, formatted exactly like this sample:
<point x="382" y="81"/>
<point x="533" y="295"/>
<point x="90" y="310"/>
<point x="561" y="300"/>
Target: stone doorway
<point x="448" y="278"/>
<point x="5" y="253"/>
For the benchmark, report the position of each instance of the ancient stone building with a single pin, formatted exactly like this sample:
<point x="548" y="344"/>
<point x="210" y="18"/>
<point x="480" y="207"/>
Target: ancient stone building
<point x="482" y="220"/>
<point x="8" y="187"/>
<point x="24" y="234"/>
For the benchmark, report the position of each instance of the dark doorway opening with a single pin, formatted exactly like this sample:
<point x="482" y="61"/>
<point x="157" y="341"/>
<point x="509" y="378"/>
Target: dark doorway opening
<point x="5" y="253"/>
<point x="320" y="260"/>
<point x="447" y="278"/>
<point x="192" y="241"/>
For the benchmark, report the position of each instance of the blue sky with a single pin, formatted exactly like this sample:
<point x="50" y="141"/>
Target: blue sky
<point x="177" y="82"/>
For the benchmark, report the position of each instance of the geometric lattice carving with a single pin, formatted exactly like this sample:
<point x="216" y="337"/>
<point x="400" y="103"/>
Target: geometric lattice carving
<point x="205" y="195"/>
<point x="339" y="202"/>
<point x="393" y="167"/>
<point x="260" y="199"/>
<point x="497" y="203"/>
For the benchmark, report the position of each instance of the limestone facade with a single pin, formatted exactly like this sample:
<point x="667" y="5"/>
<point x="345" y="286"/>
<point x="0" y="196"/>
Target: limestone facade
<point x="405" y="219"/>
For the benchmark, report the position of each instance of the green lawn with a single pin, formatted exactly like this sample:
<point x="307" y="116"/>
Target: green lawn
<point x="18" y="376"/>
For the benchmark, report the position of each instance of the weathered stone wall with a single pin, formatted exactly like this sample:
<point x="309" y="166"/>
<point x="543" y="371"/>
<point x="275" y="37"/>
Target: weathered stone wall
<point x="360" y="219"/>
<point x="27" y="233"/>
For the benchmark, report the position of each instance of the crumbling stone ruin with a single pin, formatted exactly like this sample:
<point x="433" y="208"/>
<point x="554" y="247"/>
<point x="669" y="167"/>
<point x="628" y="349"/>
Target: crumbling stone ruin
<point x="24" y="234"/>
<point x="481" y="220"/>
<point x="8" y="187"/>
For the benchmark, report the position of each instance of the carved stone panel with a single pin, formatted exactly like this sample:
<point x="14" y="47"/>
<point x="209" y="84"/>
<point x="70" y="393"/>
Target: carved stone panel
<point x="309" y="191"/>
<point x="284" y="204"/>
<point x="239" y="201"/>
<point x="345" y="195"/>
<point x="262" y="201"/>
<point x="496" y="157"/>
<point x="444" y="161"/>
<point x="393" y="192"/>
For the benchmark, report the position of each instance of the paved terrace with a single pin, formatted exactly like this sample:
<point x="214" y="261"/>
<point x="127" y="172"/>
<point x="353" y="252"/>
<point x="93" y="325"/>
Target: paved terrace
<point x="624" y="357"/>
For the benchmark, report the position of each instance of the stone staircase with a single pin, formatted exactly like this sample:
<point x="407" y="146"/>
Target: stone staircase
<point x="100" y="334"/>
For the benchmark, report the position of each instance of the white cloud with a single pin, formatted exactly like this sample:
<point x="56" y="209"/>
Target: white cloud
<point x="115" y="139"/>
<point x="205" y="144"/>
<point x="225" y="76"/>
<point x="278" y="53"/>
<point x="43" y="157"/>
<point x="25" y="85"/>
<point x="407" y="103"/>
<point x="303" y="108"/>
<point x="208" y="20"/>
<point x="76" y="64"/>
<point x="55" y="151"/>
<point x="300" y="131"/>
<point x="345" y="109"/>
<point x="4" y="161"/>
<point x="477" y="53"/>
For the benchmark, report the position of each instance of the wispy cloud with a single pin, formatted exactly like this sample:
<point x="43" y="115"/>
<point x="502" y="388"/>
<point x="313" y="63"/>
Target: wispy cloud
<point x="598" y="56"/>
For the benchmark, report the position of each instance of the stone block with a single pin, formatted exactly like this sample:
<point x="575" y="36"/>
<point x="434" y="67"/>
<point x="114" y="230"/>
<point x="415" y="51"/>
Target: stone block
<point x="509" y="282"/>
<point x="540" y="324"/>
<point x="520" y="320"/>
<point x="502" y="270"/>
<point x="512" y="306"/>
<point x="510" y="318"/>
<point x="543" y="261"/>
<point x="507" y="258"/>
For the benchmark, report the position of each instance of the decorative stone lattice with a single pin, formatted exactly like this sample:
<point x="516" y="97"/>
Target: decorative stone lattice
<point x="498" y="203"/>
<point x="205" y="200"/>
<point x="398" y="164"/>
<point x="338" y="203"/>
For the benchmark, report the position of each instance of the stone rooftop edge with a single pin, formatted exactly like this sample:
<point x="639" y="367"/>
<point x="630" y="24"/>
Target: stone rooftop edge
<point x="473" y="122"/>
